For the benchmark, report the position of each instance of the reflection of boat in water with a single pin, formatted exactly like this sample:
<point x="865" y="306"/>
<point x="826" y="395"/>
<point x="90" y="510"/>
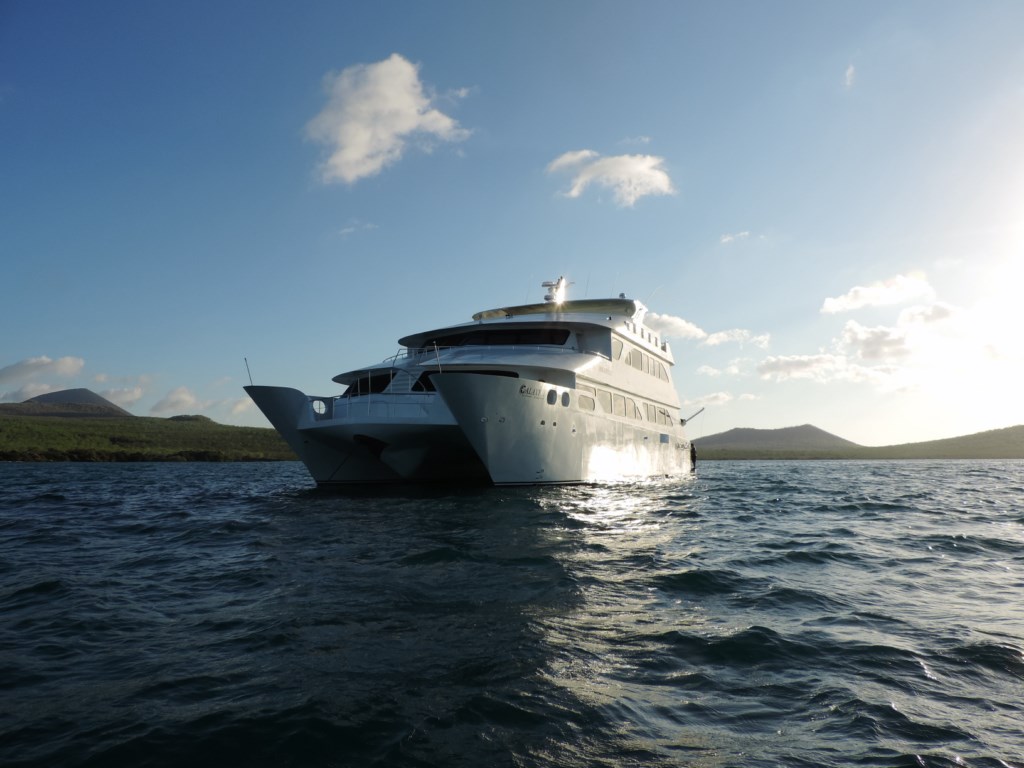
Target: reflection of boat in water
<point x="556" y="392"/>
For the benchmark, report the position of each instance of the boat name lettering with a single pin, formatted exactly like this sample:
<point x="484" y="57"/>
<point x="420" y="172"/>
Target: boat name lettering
<point x="527" y="391"/>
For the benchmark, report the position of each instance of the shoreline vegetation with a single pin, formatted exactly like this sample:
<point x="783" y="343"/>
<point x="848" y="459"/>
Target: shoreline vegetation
<point x="39" y="432"/>
<point x="78" y="433"/>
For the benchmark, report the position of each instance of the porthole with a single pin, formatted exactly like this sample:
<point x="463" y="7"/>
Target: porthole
<point x="552" y="397"/>
<point x="319" y="407"/>
<point x="565" y="399"/>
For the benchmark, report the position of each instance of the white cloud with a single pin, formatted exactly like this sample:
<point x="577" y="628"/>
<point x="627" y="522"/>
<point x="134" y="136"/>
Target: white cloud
<point x="125" y="396"/>
<point x="180" y="400"/>
<point x="715" y="398"/>
<point x="355" y="225"/>
<point x="878" y="343"/>
<point x="850" y="76"/>
<point x="372" y="111"/>
<point x="241" y="405"/>
<point x="926" y="314"/>
<point x="26" y="392"/>
<point x="895" y="290"/>
<point x="673" y="327"/>
<point x="34" y="367"/>
<point x="734" y="236"/>
<point x="630" y="177"/>
<point x="822" y="367"/>
<point x="739" y="336"/>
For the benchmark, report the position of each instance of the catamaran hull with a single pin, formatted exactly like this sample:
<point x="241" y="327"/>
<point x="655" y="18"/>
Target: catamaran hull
<point x="355" y="449"/>
<point x="528" y="432"/>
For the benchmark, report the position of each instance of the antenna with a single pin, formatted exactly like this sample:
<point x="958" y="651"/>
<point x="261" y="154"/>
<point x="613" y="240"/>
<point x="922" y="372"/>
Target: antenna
<point x="247" y="370"/>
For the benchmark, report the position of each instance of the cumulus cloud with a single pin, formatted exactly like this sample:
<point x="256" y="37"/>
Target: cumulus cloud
<point x="878" y="343"/>
<point x="629" y="177"/>
<point x="241" y="405"/>
<point x="124" y="397"/>
<point x="737" y="335"/>
<point x="26" y="392"/>
<point x="895" y="290"/>
<point x="927" y="314"/>
<point x="179" y="400"/>
<point x="372" y="112"/>
<point x="822" y="368"/>
<point x="34" y="367"/>
<point x="673" y="327"/>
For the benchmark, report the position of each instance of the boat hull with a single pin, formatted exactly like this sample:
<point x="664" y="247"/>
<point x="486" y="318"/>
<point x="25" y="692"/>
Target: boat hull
<point x="388" y="440"/>
<point x="530" y="431"/>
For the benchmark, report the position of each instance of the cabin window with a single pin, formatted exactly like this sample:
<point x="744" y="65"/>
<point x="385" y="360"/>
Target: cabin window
<point x="585" y="388"/>
<point x="631" y="410"/>
<point x="532" y="337"/>
<point x="636" y="359"/>
<point x="586" y="402"/>
<point x="605" y="399"/>
<point x="616" y="349"/>
<point x="618" y="405"/>
<point x="552" y="396"/>
<point x="372" y="383"/>
<point x="565" y="399"/>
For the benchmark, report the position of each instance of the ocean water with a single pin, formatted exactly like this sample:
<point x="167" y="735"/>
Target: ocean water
<point x="757" y="614"/>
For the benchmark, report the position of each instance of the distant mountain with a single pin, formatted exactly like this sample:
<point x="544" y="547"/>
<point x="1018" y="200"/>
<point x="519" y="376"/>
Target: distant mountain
<point x="68" y="402"/>
<point x="809" y="442"/>
<point x="1007" y="443"/>
<point x="803" y="438"/>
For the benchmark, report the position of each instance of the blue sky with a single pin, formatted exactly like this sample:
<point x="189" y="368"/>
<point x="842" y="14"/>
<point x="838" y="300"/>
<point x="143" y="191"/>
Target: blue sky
<point x="822" y="204"/>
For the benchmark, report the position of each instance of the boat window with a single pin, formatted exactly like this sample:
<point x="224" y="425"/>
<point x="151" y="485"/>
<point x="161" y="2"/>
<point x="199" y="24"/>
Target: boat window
<point x="652" y="413"/>
<point x="372" y="383"/>
<point x="552" y="396"/>
<point x="616" y="349"/>
<point x="618" y="405"/>
<point x="605" y="398"/>
<point x="504" y="336"/>
<point x="423" y="383"/>
<point x="586" y="402"/>
<point x="662" y="372"/>
<point x="585" y="388"/>
<point x="631" y="410"/>
<point x="636" y="359"/>
<point x="565" y="399"/>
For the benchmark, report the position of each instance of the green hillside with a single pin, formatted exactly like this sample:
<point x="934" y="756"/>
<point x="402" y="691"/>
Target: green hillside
<point x="808" y="442"/>
<point x="33" y="437"/>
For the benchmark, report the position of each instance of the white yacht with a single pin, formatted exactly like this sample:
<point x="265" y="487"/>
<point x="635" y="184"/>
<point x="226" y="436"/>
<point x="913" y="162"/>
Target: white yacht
<point x="556" y="392"/>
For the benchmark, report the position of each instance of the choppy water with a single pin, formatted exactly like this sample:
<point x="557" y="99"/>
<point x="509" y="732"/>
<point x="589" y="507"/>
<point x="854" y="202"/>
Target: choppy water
<point x="760" y="614"/>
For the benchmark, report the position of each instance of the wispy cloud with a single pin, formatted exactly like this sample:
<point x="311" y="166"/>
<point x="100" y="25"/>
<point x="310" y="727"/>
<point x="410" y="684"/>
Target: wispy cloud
<point x="715" y="398"/>
<point x="821" y="367"/>
<point x="354" y="226"/>
<point x="629" y="177"/>
<point x="372" y="112"/>
<point x="33" y="367"/>
<point x="878" y="343"/>
<point x="179" y="400"/>
<point x="26" y="375"/>
<point x="895" y="290"/>
<point x="738" y="336"/>
<point x="733" y="237"/>
<point x="674" y="327"/>
<point x="850" y="76"/>
<point x="124" y="396"/>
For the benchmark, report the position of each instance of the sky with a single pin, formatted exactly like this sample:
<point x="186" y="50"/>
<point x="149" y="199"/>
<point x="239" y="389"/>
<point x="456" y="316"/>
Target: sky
<point x="822" y="204"/>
